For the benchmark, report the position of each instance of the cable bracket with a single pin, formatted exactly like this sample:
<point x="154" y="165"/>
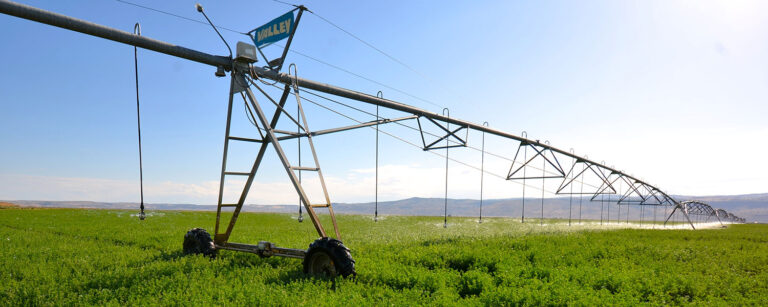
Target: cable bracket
<point x="450" y="136"/>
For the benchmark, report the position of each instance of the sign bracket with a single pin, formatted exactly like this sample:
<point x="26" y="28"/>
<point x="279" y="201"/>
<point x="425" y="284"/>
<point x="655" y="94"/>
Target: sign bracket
<point x="277" y="63"/>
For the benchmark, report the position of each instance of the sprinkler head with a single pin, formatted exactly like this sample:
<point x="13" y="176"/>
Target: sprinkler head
<point x="199" y="7"/>
<point x="142" y="216"/>
<point x="220" y="72"/>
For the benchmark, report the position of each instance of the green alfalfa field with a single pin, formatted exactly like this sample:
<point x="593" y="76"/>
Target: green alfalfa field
<point x="109" y="257"/>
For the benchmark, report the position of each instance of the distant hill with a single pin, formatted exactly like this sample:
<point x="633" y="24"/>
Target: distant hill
<point x="4" y="205"/>
<point x="753" y="207"/>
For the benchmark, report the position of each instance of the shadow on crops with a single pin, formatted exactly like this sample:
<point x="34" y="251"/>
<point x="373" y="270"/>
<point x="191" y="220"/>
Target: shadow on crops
<point x="287" y="277"/>
<point x="439" y="241"/>
<point x="298" y="276"/>
<point x="169" y="256"/>
<point x="460" y="261"/>
<point x="237" y="260"/>
<point x="131" y="278"/>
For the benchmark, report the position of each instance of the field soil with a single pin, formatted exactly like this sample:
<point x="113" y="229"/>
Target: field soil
<point x="110" y="257"/>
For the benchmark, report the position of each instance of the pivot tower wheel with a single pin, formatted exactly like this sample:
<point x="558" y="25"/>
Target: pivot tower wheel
<point x="198" y="241"/>
<point x="329" y="257"/>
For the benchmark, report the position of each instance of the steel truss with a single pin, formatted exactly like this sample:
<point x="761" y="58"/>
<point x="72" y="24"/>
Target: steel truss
<point x="705" y="211"/>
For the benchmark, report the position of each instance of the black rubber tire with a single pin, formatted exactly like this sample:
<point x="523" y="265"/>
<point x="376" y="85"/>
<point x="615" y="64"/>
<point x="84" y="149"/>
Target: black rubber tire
<point x="329" y="257"/>
<point x="198" y="241"/>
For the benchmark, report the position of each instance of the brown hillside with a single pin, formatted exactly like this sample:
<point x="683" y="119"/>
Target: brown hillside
<point x="7" y="205"/>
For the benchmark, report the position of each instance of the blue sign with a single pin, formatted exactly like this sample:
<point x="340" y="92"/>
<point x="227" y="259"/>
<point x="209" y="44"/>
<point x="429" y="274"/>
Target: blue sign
<point x="273" y="31"/>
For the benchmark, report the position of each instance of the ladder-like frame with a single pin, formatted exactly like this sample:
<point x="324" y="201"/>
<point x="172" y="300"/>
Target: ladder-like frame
<point x="240" y="85"/>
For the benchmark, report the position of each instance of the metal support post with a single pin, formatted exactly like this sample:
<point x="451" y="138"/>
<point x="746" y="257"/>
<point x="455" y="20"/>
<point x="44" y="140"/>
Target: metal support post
<point x="224" y="156"/>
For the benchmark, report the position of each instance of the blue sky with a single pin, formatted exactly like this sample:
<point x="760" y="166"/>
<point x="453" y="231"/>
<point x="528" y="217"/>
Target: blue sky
<point x="673" y="92"/>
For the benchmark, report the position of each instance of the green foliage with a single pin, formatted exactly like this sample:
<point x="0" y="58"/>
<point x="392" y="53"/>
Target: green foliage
<point x="107" y="257"/>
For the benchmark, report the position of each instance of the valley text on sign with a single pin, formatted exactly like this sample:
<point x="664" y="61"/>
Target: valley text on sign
<point x="273" y="31"/>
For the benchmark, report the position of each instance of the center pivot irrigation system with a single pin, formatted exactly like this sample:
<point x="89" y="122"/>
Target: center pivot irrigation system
<point x="328" y="255"/>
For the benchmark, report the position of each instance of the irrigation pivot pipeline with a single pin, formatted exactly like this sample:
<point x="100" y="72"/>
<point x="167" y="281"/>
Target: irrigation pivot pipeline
<point x="244" y="83"/>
